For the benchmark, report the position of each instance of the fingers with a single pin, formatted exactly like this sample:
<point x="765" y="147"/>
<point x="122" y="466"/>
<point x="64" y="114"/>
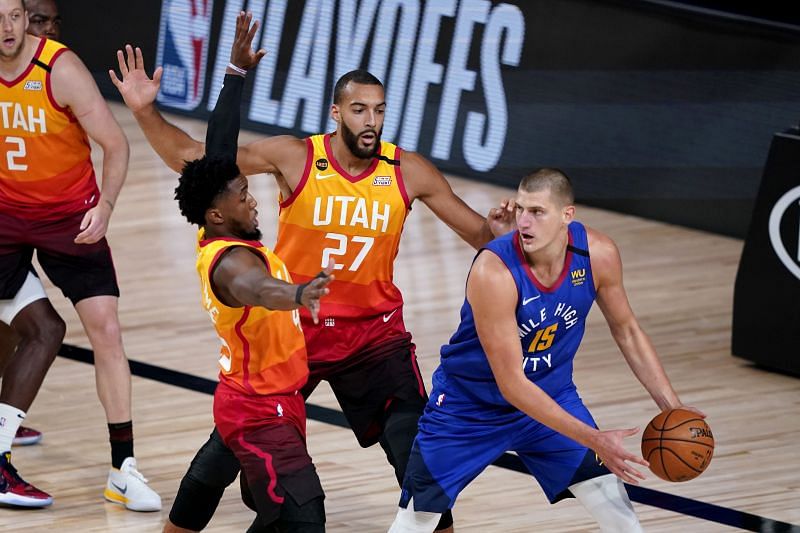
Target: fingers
<point x="123" y="67"/>
<point x="117" y="83"/>
<point x="157" y="74"/>
<point x="139" y="59"/>
<point x="629" y="432"/>
<point x="130" y="58"/>
<point x="329" y="267"/>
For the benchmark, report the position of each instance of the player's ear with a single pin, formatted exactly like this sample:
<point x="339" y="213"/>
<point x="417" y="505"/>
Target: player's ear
<point x="335" y="115"/>
<point x="569" y="213"/>
<point x="214" y="216"/>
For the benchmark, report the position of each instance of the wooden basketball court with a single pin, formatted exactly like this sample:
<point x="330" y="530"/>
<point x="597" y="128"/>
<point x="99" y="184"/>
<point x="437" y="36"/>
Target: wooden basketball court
<point x="680" y="283"/>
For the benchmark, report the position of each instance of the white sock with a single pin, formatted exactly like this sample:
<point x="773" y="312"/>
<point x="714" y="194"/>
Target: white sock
<point x="10" y="420"/>
<point x="607" y="501"/>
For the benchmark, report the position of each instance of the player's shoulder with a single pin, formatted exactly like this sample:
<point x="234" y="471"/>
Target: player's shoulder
<point x="603" y="251"/>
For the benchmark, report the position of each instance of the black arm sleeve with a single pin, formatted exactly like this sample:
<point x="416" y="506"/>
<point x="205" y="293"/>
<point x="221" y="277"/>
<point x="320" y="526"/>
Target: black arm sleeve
<point x="222" y="136"/>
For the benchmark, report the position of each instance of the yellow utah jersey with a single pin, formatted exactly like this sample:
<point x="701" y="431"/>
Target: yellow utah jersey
<point x="355" y="220"/>
<point x="263" y="351"/>
<point x="47" y="169"/>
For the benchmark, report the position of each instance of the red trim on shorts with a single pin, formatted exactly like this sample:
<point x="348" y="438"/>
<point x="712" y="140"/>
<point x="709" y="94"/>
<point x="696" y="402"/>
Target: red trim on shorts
<point x="536" y="282"/>
<point x="273" y="477"/>
<point x="27" y="71"/>
<point x="246" y="347"/>
<point x="398" y="172"/>
<point x="303" y="178"/>
<point x="49" y="87"/>
<point x="338" y="168"/>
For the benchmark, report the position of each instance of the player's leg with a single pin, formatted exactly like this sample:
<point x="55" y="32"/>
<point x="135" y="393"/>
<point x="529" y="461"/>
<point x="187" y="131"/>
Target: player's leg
<point x="607" y="501"/>
<point x="85" y="274"/>
<point x="40" y="331"/>
<point x="268" y="438"/>
<point x="565" y="469"/>
<point x="382" y="399"/>
<point x="213" y="468"/>
<point x="452" y="447"/>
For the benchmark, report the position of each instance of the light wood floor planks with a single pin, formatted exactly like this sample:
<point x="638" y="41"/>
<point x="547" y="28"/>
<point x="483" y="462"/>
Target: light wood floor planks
<point x="680" y="283"/>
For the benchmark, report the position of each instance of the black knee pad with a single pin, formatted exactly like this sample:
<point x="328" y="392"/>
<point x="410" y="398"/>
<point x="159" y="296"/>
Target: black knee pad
<point x="399" y="431"/>
<point x="213" y="468"/>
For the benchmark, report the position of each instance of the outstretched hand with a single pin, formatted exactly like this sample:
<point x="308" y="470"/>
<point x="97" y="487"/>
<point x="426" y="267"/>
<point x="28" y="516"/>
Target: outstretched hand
<point x="242" y="53"/>
<point x="502" y="219"/>
<point x="614" y="456"/>
<point x="136" y="87"/>
<point x="316" y="289"/>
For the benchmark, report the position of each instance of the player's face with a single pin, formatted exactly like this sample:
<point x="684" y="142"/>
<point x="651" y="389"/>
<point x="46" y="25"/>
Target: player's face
<point x="360" y="118"/>
<point x="238" y="207"/>
<point x="541" y="219"/>
<point x="44" y="20"/>
<point x="13" y="24"/>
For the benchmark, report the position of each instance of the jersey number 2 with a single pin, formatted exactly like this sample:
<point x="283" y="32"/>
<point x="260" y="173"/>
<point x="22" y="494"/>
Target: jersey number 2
<point x="12" y="155"/>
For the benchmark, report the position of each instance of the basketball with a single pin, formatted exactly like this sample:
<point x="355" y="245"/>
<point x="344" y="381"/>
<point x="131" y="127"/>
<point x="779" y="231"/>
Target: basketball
<point x="678" y="444"/>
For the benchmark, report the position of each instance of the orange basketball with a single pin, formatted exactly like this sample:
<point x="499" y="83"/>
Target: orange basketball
<point x="678" y="444"/>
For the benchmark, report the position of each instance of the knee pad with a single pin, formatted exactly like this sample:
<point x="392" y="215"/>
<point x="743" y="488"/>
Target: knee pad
<point x="194" y="504"/>
<point x="214" y="465"/>
<point x="607" y="501"/>
<point x="399" y="431"/>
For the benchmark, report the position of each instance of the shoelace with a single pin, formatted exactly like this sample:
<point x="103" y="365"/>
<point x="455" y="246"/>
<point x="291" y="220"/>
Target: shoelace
<point x="135" y="473"/>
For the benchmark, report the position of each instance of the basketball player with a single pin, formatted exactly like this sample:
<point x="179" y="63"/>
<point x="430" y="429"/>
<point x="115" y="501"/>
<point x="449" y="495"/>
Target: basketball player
<point x="43" y="18"/>
<point x="248" y="293"/>
<point x="44" y="22"/>
<point x="50" y="202"/>
<point x="505" y="378"/>
<point x="344" y="195"/>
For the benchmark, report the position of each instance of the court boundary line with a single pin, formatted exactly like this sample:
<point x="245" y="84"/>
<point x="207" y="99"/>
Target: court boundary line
<point x="654" y="498"/>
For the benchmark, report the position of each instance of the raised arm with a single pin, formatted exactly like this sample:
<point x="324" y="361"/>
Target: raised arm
<point x="424" y="181"/>
<point x="74" y="87"/>
<point x="242" y="278"/>
<point x="628" y="334"/>
<point x="492" y="293"/>
<point x="173" y="145"/>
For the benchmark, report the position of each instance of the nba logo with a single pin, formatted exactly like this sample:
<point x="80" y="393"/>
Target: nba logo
<point x="182" y="50"/>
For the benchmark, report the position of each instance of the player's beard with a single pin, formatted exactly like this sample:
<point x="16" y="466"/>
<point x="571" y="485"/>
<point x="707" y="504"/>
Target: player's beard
<point x="351" y="140"/>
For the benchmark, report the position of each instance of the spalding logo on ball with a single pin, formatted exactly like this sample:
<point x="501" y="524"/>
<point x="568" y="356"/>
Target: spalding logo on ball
<point x="678" y="444"/>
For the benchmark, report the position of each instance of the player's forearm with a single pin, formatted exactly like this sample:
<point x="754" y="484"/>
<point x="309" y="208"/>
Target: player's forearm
<point x="534" y="402"/>
<point x="270" y="293"/>
<point x="223" y="126"/>
<point x="646" y="366"/>
<point x="171" y="143"/>
<point x="115" y="168"/>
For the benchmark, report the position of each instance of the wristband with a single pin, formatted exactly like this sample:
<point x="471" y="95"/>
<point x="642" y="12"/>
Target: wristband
<point x="298" y="296"/>
<point x="238" y="70"/>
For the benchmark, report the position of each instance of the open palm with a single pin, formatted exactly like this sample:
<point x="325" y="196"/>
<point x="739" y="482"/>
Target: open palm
<point x="136" y="87"/>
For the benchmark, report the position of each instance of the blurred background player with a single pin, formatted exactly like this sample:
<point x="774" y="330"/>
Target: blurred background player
<point x="50" y="202"/>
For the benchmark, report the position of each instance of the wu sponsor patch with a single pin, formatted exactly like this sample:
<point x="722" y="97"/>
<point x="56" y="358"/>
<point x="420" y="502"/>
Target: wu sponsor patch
<point x="578" y="277"/>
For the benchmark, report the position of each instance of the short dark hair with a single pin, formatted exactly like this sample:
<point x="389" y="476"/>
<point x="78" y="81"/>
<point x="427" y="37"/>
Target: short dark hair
<point x="201" y="182"/>
<point x="356" y="76"/>
<point x="553" y="179"/>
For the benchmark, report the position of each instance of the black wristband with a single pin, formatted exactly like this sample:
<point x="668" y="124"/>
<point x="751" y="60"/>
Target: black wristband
<point x="298" y="296"/>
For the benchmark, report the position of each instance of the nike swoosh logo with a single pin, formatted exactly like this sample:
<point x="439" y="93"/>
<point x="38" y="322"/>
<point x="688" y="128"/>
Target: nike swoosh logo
<point x="324" y="176"/>
<point x="387" y="317"/>
<point x="526" y="301"/>
<point x="122" y="490"/>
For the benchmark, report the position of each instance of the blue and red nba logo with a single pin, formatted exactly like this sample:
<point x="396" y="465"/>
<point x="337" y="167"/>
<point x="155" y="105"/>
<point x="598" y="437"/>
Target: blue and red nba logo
<point x="182" y="50"/>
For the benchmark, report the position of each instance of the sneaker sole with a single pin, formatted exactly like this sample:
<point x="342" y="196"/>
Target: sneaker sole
<point x="115" y="497"/>
<point x="15" y="500"/>
<point x="26" y="441"/>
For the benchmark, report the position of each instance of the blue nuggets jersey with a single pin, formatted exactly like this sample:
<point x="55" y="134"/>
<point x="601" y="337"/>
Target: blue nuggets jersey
<point x="550" y="321"/>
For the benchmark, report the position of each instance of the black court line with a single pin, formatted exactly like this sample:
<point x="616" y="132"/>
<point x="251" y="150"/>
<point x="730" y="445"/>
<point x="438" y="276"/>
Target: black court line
<point x="654" y="498"/>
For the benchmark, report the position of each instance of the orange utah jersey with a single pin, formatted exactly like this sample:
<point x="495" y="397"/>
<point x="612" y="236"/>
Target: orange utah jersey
<point x="354" y="220"/>
<point x="45" y="167"/>
<point x="263" y="351"/>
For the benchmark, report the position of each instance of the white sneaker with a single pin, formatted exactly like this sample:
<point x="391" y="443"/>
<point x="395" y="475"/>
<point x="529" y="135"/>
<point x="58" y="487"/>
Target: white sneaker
<point x="127" y="486"/>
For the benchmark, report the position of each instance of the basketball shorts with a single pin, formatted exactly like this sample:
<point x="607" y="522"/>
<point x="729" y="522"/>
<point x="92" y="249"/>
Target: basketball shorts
<point x="30" y="291"/>
<point x="267" y="436"/>
<point x="456" y="442"/>
<point x="79" y="270"/>
<point x="367" y="383"/>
